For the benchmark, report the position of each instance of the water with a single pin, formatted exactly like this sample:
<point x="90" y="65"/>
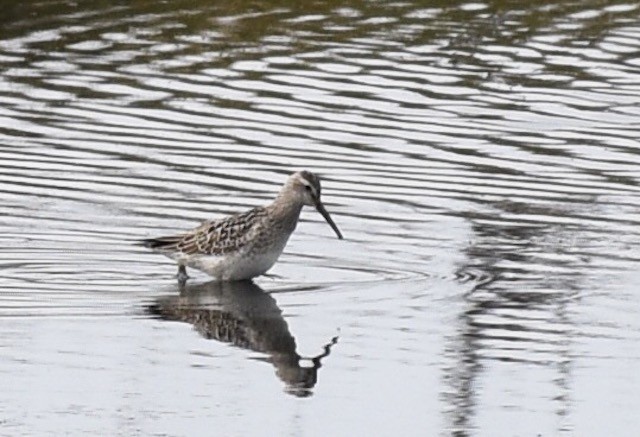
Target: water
<point x="481" y="159"/>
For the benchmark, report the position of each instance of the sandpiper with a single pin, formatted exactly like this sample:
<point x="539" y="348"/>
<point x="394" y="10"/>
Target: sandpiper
<point x="246" y="245"/>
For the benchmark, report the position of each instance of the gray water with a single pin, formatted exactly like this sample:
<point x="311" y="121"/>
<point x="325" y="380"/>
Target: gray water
<point x="481" y="159"/>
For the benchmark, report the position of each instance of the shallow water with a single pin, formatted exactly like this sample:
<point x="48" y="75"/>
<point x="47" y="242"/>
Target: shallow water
<point x="481" y="159"/>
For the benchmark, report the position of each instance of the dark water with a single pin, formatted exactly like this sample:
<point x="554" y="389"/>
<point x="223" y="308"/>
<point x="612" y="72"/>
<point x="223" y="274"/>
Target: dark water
<point x="482" y="160"/>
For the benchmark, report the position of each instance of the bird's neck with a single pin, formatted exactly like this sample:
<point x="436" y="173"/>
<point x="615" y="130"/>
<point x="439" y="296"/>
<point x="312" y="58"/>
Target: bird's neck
<point x="286" y="211"/>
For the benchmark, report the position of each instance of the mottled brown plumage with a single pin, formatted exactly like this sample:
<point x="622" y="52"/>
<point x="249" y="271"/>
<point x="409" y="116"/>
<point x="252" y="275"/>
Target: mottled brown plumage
<point x="213" y="237"/>
<point x="245" y="245"/>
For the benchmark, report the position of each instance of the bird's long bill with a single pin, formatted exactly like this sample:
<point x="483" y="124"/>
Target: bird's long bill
<point x="327" y="217"/>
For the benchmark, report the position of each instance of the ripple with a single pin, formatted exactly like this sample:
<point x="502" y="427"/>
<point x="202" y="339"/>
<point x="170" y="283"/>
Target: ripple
<point x="483" y="165"/>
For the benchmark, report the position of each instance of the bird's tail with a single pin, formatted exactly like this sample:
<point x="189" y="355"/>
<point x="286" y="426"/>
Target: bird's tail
<point x="161" y="243"/>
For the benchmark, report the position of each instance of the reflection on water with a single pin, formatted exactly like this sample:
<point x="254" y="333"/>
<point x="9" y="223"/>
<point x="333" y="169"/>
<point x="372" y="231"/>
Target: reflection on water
<point x="520" y="311"/>
<point x="243" y="314"/>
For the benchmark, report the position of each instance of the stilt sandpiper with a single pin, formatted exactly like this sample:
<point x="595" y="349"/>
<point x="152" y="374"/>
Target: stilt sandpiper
<point x="246" y="245"/>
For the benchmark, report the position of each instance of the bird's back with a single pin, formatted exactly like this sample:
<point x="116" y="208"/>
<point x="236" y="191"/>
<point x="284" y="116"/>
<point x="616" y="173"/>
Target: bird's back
<point x="214" y="237"/>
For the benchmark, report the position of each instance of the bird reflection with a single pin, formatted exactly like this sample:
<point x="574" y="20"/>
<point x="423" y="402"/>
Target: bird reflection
<point x="243" y="314"/>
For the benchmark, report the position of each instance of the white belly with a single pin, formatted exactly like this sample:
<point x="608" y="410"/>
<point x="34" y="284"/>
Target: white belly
<point x="233" y="267"/>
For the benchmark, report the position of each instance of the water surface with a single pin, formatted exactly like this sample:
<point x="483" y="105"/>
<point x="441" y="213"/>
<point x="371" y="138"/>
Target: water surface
<point x="481" y="159"/>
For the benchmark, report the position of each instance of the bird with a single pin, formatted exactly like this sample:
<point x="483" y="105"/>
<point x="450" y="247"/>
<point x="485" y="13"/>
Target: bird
<point x="245" y="245"/>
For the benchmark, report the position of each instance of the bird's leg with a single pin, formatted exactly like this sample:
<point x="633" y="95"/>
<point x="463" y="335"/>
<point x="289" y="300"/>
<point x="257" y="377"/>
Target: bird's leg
<point x="182" y="274"/>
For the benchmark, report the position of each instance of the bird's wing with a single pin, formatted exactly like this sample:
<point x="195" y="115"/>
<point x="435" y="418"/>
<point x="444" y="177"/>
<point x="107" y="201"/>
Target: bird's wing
<point x="216" y="237"/>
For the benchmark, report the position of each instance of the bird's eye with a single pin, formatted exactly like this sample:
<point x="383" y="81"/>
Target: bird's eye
<point x="307" y="187"/>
